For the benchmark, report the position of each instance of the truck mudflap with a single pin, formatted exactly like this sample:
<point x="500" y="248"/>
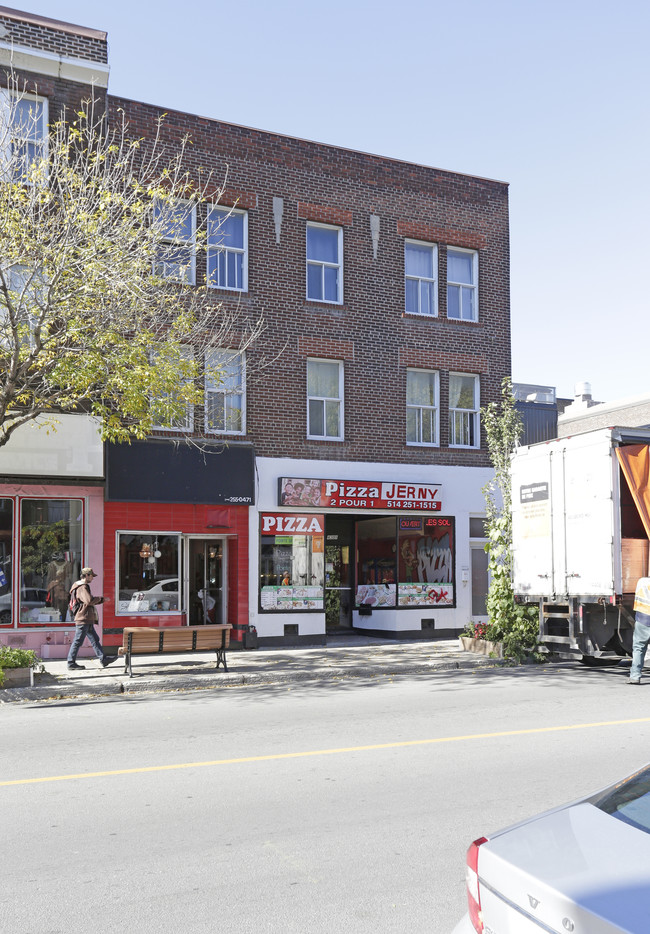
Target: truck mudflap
<point x="580" y="627"/>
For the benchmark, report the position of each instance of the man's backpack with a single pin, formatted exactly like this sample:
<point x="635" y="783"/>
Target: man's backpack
<point x="74" y="605"/>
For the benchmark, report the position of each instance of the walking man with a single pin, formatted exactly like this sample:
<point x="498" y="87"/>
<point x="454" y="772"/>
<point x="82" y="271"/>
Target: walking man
<point x="641" y="628"/>
<point x="84" y="621"/>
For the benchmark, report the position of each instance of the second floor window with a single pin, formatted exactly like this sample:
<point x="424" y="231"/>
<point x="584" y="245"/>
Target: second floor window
<point x="463" y="410"/>
<point x="325" y="399"/>
<point x="23" y="132"/>
<point x="462" y="278"/>
<point x="225" y="399"/>
<point x="324" y="263"/>
<point x="421" y="407"/>
<point x="175" y="257"/>
<point x="228" y="249"/>
<point x="169" y="412"/>
<point x="420" y="268"/>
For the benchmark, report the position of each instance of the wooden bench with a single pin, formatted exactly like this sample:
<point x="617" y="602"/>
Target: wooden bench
<point x="145" y="640"/>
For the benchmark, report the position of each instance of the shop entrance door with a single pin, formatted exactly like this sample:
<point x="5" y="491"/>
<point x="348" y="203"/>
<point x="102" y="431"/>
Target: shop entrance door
<point x="339" y="551"/>
<point x="205" y="592"/>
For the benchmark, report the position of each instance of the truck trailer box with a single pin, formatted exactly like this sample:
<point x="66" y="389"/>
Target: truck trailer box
<point x="580" y="535"/>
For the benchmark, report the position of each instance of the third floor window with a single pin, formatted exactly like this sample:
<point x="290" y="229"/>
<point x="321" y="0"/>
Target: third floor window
<point x="324" y="263"/>
<point x="228" y="249"/>
<point x="420" y="270"/>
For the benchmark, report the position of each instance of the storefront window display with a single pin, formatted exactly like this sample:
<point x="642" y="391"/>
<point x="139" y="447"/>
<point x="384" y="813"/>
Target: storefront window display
<point x="426" y="561"/>
<point x="148" y="572"/>
<point x="6" y="529"/>
<point x="408" y="561"/>
<point x="292" y="562"/>
<point x="51" y="545"/>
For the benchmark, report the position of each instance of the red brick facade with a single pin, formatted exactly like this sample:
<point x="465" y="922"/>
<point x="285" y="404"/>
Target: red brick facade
<point x="369" y="330"/>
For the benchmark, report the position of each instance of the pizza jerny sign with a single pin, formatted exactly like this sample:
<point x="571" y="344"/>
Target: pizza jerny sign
<point x="359" y="494"/>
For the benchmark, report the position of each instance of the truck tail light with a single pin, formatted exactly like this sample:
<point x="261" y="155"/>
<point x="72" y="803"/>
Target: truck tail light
<point x="473" y="888"/>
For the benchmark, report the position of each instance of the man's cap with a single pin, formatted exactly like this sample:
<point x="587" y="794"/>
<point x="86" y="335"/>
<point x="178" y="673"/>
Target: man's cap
<point x="86" y="571"/>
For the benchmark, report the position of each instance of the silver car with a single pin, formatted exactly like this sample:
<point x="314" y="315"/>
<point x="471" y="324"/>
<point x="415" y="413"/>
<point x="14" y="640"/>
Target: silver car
<point x="582" y="868"/>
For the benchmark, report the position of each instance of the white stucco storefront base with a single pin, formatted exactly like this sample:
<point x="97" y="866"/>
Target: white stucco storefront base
<point x="461" y="497"/>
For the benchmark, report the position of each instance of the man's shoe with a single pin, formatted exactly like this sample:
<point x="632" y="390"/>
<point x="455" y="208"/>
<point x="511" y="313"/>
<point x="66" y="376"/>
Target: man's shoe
<point x="75" y="667"/>
<point x="634" y="681"/>
<point x="108" y="660"/>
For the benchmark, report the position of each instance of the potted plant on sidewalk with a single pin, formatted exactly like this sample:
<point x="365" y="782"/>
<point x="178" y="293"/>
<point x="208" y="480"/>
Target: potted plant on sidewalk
<point x="17" y="667"/>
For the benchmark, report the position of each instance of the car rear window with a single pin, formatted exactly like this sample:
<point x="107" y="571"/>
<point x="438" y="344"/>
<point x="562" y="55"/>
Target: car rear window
<point x="629" y="801"/>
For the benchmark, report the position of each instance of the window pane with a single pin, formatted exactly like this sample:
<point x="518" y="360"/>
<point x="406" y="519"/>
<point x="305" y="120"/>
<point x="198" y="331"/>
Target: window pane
<point x="316" y="417"/>
<point x="224" y="231"/>
<point x="420" y="387"/>
<point x="412" y="424"/>
<point x="468" y="304"/>
<point x="292" y="571"/>
<point x="461" y="392"/>
<point x="459" y="267"/>
<point x="427" y="306"/>
<point x="323" y="379"/>
<point x="412" y="293"/>
<point x="315" y="282"/>
<point x="148" y="573"/>
<point x="418" y="260"/>
<point x="51" y="549"/>
<point x="331" y="283"/>
<point x="477" y="528"/>
<point x="28" y="119"/>
<point x="176" y="220"/>
<point x="332" y="410"/>
<point x="231" y="262"/>
<point x="215" y="411"/>
<point x="6" y="537"/>
<point x="323" y="244"/>
<point x="453" y="301"/>
<point x="428" y="426"/>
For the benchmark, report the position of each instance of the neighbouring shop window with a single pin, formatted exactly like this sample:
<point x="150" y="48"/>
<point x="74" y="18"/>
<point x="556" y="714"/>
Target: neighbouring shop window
<point x="292" y="562"/>
<point x="51" y="547"/>
<point x="426" y="561"/>
<point x="148" y="576"/>
<point x="377" y="562"/>
<point x="6" y="550"/>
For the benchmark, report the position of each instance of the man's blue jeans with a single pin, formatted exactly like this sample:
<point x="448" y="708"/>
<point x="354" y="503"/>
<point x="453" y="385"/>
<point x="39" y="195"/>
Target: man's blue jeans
<point x="639" y="646"/>
<point x="86" y="629"/>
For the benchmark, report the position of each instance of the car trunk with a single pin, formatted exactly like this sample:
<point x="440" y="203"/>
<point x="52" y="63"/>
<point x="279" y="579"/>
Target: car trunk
<point x="576" y="869"/>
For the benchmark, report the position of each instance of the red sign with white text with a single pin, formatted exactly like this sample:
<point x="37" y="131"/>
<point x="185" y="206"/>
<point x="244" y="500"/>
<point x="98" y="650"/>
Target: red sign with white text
<point x="359" y="494"/>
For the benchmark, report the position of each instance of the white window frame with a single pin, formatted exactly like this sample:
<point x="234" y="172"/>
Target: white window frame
<point x="210" y="389"/>
<point x="213" y="249"/>
<point x="188" y="426"/>
<point x="433" y="247"/>
<point x="6" y="97"/>
<point x="469" y="418"/>
<point x="323" y="264"/>
<point x="422" y="408"/>
<point x="324" y="399"/>
<point x="160" y="266"/>
<point x="463" y="285"/>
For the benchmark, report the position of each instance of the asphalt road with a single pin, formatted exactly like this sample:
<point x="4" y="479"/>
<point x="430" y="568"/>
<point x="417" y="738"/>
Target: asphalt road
<point x="340" y="806"/>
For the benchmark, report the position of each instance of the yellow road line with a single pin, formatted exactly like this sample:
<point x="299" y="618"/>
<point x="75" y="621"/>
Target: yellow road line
<point x="327" y="752"/>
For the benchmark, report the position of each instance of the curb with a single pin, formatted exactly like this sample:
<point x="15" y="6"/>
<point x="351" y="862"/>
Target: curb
<point x="162" y="684"/>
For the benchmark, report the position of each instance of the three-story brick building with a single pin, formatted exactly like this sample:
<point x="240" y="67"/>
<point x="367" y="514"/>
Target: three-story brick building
<point x="343" y="486"/>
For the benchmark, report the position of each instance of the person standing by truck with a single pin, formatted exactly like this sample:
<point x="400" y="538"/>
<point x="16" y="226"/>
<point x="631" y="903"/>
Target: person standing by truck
<point x="641" y="628"/>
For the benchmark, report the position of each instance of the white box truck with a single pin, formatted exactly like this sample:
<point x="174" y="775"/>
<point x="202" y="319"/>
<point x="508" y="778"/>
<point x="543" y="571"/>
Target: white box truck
<point x="581" y="525"/>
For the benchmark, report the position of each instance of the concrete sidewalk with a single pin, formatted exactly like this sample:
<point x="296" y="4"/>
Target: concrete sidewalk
<point x="343" y="657"/>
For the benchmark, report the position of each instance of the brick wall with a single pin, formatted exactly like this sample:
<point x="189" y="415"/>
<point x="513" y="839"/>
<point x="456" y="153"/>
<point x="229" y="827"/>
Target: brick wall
<point x="369" y="331"/>
<point x="49" y="35"/>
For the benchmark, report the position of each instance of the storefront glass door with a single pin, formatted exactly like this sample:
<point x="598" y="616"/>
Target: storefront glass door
<point x="205" y="591"/>
<point x="339" y="546"/>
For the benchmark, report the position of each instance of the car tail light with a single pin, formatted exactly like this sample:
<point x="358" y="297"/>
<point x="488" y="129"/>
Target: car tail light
<point x="473" y="888"/>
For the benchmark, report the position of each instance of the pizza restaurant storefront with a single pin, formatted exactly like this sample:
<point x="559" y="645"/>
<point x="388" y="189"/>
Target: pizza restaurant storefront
<point x="336" y="555"/>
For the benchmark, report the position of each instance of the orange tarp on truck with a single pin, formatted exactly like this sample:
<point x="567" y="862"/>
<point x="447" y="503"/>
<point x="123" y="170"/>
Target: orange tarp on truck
<point x="635" y="464"/>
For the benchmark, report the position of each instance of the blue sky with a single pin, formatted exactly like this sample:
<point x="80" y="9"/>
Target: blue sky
<point x="550" y="96"/>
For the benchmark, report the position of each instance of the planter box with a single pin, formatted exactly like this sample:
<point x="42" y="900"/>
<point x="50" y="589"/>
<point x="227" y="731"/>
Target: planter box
<point x="18" y="677"/>
<point x="481" y="646"/>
